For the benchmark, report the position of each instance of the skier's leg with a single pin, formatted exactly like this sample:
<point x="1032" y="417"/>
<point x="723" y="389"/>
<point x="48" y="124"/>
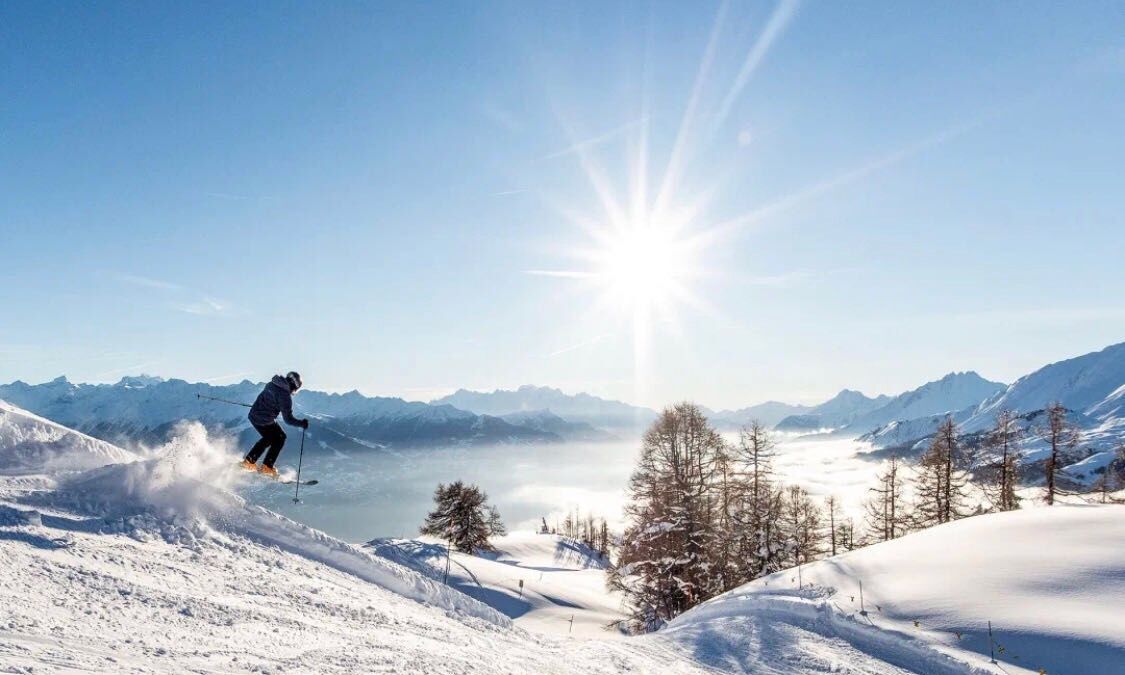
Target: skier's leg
<point x="277" y="441"/>
<point x="260" y="446"/>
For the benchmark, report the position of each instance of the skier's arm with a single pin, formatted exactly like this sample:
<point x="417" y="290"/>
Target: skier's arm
<point x="287" y="413"/>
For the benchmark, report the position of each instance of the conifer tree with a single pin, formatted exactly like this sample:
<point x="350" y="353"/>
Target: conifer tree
<point x="756" y="521"/>
<point x="802" y="525"/>
<point x="830" y="508"/>
<point x="886" y="514"/>
<point x="667" y="552"/>
<point x="1003" y="444"/>
<point x="940" y="483"/>
<point x="462" y="517"/>
<point x="1061" y="435"/>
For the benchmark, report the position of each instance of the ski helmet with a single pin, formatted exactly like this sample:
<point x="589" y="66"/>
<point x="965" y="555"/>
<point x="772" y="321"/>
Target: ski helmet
<point x="294" y="380"/>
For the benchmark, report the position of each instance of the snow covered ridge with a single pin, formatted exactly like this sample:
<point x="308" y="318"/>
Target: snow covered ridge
<point x="1091" y="387"/>
<point x="33" y="444"/>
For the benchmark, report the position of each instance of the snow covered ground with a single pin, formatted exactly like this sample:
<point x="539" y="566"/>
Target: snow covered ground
<point x="156" y="565"/>
<point x="564" y="590"/>
<point x="1051" y="581"/>
<point x="152" y="567"/>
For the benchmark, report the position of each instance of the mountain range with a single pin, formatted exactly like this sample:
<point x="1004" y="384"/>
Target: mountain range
<point x="581" y="407"/>
<point x="1091" y="387"/>
<point x="144" y="410"/>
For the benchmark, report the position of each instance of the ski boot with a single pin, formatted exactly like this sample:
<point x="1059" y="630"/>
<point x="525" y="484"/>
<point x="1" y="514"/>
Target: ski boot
<point x="248" y="465"/>
<point x="268" y="471"/>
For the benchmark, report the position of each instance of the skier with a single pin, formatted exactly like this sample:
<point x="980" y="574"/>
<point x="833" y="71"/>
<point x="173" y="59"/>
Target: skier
<point x="276" y="398"/>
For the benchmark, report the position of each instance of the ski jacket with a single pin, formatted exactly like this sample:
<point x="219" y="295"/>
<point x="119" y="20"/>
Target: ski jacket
<point x="275" y="399"/>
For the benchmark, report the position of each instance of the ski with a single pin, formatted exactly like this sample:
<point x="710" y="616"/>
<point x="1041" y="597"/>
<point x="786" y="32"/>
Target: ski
<point x="285" y="481"/>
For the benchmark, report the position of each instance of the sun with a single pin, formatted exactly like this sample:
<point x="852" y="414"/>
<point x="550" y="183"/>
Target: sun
<point x="641" y="267"/>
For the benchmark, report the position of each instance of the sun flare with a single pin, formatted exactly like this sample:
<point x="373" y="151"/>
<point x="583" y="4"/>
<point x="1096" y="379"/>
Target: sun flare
<point x="641" y="267"/>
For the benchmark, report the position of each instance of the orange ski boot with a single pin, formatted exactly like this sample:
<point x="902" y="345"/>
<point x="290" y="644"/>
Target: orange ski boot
<point x="268" y="471"/>
<point x="248" y="465"/>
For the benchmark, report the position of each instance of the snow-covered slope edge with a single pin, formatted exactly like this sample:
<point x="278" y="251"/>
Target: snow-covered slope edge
<point x="32" y="444"/>
<point x="929" y="597"/>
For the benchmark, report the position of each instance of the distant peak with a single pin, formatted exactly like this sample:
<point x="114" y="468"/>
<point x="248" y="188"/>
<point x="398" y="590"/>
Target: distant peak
<point x="61" y="379"/>
<point x="139" y="380"/>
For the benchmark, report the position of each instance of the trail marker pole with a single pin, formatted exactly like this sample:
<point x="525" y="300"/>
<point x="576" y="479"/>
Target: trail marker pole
<point x="448" y="543"/>
<point x="571" y="631"/>
<point x="862" y="609"/>
<point x="521" y="589"/>
<point x="991" y="644"/>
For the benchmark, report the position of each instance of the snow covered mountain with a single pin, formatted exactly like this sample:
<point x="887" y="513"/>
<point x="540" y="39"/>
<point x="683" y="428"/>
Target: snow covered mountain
<point x="768" y="414"/>
<point x="581" y="407"/>
<point x="145" y="410"/>
<point x="32" y="443"/>
<point x="903" y="432"/>
<point x="548" y="422"/>
<point x="836" y="412"/>
<point x="1092" y="385"/>
<point x="950" y="394"/>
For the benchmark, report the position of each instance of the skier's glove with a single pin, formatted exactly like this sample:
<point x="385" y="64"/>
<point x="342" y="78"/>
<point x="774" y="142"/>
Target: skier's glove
<point x="304" y="424"/>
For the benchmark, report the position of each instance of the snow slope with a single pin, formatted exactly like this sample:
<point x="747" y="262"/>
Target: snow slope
<point x="563" y="580"/>
<point x="155" y="567"/>
<point x="34" y="444"/>
<point x="1051" y="581"/>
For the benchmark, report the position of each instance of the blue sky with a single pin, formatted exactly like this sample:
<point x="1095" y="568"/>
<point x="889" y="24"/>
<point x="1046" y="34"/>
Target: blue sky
<point x="874" y="194"/>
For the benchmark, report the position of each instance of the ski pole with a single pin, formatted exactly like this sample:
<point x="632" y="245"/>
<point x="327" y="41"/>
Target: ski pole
<point x="222" y="400"/>
<point x="300" y="461"/>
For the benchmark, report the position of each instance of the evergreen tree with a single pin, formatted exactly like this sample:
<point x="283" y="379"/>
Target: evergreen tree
<point x="462" y="517"/>
<point x="495" y="523"/>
